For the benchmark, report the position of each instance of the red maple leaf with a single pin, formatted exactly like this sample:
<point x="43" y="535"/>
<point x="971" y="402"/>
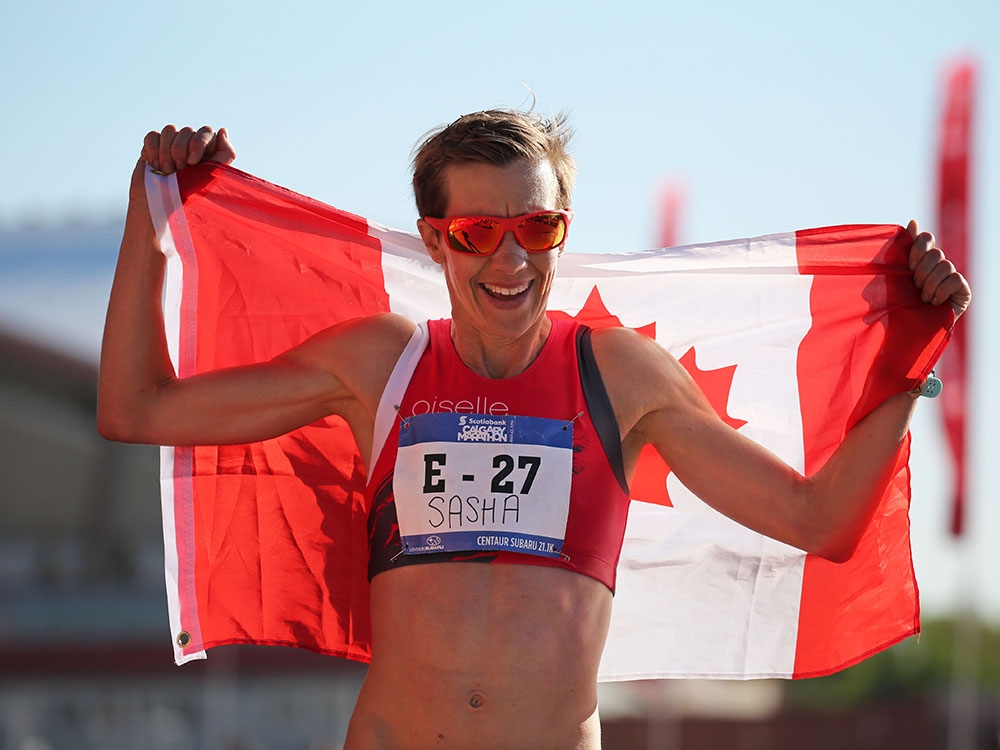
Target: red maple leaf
<point x="595" y="314"/>
<point x="649" y="482"/>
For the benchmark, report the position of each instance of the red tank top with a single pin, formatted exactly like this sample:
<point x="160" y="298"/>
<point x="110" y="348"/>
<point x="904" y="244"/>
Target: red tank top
<point x="563" y="383"/>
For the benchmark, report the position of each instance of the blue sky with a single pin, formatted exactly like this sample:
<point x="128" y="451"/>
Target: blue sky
<point x="774" y="116"/>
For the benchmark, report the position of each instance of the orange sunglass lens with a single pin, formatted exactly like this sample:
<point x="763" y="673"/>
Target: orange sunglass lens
<point x="542" y="232"/>
<point x="474" y="235"/>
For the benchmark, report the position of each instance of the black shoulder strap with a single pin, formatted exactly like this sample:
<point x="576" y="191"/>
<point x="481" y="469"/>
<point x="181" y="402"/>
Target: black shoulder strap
<point x="599" y="405"/>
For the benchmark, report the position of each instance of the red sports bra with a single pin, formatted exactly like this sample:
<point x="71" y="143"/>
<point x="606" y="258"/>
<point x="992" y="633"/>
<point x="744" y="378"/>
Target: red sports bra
<point x="563" y="383"/>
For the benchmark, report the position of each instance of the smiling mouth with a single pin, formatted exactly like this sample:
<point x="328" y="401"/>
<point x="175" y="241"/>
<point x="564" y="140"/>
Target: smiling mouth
<point x="506" y="292"/>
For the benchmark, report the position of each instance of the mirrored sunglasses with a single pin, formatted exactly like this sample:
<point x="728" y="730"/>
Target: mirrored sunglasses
<point x="481" y="235"/>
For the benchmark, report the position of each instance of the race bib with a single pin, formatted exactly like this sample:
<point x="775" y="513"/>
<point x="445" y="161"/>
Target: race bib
<point x="481" y="482"/>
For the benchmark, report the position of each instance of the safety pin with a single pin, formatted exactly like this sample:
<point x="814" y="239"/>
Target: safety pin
<point x="566" y="426"/>
<point x="403" y="419"/>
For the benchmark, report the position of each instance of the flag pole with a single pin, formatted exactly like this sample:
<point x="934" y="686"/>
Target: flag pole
<point x="963" y="694"/>
<point x="954" y="203"/>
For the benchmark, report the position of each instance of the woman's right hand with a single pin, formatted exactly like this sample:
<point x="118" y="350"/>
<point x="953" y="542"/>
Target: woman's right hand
<point x="170" y="149"/>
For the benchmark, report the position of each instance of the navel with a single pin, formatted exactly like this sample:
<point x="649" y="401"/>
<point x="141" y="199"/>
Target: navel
<point x="477" y="700"/>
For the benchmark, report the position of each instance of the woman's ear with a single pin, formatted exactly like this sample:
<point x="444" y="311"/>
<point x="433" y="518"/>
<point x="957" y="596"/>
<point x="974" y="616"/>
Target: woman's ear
<point x="431" y="238"/>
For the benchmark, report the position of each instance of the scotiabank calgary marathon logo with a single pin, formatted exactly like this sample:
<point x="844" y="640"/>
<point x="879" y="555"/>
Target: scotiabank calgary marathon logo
<point x="480" y="429"/>
<point x="650" y="480"/>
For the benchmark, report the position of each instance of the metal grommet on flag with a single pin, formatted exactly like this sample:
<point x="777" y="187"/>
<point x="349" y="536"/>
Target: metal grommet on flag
<point x="183" y="638"/>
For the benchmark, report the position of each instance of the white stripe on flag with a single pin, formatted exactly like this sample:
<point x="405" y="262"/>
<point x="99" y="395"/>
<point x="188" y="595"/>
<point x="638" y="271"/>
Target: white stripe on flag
<point x="727" y="598"/>
<point x="164" y="199"/>
<point x="414" y="282"/>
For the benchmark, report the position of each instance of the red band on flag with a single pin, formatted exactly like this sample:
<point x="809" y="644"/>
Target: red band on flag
<point x="842" y="596"/>
<point x="281" y="520"/>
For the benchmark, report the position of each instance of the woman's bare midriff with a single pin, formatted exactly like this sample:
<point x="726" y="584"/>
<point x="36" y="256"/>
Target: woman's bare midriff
<point x="487" y="656"/>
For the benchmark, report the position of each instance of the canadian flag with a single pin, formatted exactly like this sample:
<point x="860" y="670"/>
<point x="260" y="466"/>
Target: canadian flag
<point x="793" y="337"/>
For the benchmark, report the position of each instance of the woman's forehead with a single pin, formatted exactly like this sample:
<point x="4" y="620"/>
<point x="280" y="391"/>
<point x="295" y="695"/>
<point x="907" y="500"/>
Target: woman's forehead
<point x="505" y="190"/>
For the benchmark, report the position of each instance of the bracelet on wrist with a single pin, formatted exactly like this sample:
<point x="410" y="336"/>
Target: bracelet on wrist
<point x="929" y="387"/>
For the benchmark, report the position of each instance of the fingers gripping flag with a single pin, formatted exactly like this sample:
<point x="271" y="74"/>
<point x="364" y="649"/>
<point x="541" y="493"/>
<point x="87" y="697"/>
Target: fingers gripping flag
<point x="793" y="338"/>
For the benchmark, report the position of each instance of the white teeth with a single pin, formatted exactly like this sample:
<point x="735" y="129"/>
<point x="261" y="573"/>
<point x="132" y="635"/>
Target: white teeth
<point x="505" y="291"/>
